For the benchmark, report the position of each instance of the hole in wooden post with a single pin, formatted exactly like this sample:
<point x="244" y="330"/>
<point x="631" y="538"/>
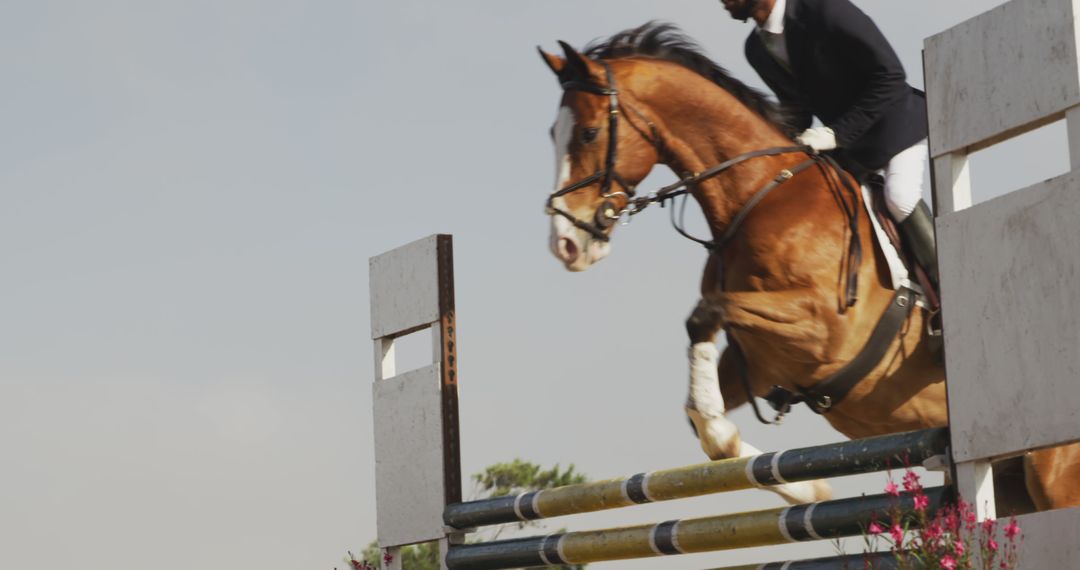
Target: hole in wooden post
<point x="1019" y="162"/>
<point x="413" y="350"/>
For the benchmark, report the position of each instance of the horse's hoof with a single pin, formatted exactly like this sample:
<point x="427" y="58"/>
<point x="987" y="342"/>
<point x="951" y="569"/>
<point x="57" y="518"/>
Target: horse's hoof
<point x="822" y="490"/>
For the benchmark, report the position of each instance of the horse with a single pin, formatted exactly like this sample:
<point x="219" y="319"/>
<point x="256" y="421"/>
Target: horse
<point x="785" y="276"/>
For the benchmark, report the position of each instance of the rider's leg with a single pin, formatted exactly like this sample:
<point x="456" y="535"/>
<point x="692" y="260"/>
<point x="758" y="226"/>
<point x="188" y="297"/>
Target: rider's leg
<point x="903" y="196"/>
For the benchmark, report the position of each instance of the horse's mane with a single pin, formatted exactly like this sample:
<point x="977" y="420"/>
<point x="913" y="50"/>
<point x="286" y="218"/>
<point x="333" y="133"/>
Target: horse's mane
<point x="664" y="41"/>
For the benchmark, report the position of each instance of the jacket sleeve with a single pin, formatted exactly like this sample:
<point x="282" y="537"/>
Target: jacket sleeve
<point x="872" y="58"/>
<point x="781" y="83"/>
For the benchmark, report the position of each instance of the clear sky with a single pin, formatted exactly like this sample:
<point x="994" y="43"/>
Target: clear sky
<point x="189" y="193"/>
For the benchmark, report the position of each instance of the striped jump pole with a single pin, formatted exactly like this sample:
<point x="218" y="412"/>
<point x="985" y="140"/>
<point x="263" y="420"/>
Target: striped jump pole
<point x="846" y="458"/>
<point x="870" y="560"/>
<point x="816" y="521"/>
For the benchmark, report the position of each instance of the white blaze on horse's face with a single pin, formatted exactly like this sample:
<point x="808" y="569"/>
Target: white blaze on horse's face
<point x="573" y="246"/>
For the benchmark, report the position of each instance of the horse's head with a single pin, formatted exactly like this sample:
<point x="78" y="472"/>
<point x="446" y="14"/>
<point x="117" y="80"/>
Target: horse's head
<point x="600" y="156"/>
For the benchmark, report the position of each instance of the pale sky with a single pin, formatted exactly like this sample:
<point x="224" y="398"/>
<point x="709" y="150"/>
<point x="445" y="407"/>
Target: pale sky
<point x="190" y="193"/>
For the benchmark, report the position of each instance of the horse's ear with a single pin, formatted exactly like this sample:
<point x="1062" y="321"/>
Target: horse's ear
<point x="577" y="65"/>
<point x="556" y="63"/>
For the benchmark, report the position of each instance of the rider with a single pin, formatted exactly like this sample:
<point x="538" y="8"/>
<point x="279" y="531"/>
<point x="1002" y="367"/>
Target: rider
<point x="826" y="58"/>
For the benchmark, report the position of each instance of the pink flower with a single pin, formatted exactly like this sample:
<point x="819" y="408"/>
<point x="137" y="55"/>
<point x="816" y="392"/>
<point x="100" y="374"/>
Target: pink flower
<point x="875" y="528"/>
<point x="948" y="562"/>
<point x="892" y="489"/>
<point x="932" y="532"/>
<point x="921" y="502"/>
<point x="959" y="547"/>
<point x="992" y="545"/>
<point x="952" y="520"/>
<point x="897" y="533"/>
<point x="988" y="526"/>
<point x="387" y="557"/>
<point x="911" y="481"/>
<point x="1012" y="529"/>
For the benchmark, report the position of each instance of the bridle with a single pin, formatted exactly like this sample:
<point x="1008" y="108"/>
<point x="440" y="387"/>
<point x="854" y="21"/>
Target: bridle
<point x="607" y="213"/>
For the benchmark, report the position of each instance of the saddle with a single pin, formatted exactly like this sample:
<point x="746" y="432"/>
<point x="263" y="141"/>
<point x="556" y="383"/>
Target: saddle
<point x="875" y="183"/>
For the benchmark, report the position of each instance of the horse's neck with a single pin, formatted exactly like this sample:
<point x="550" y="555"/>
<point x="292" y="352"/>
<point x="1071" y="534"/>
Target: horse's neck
<point x="716" y="131"/>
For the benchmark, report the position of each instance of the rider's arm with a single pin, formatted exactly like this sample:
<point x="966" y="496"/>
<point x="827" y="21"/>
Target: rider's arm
<point x="782" y="84"/>
<point x="791" y="102"/>
<point x="872" y="58"/>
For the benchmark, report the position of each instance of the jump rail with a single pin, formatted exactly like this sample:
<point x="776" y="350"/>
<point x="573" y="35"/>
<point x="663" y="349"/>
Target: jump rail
<point x="817" y="521"/>
<point x="805" y="464"/>
<point x="875" y="560"/>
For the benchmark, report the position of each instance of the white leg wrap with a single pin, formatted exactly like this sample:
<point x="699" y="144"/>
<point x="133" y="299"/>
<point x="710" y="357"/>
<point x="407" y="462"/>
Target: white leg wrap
<point x="705" y="404"/>
<point x="705" y="396"/>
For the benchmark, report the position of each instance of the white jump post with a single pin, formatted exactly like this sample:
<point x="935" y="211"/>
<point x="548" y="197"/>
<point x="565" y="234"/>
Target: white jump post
<point x="417" y="454"/>
<point x="1009" y="266"/>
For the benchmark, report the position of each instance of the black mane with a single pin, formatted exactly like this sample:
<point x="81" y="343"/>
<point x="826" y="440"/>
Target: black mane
<point x="664" y="41"/>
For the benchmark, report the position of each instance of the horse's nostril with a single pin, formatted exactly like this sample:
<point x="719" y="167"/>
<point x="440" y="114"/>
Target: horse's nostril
<point x="568" y="249"/>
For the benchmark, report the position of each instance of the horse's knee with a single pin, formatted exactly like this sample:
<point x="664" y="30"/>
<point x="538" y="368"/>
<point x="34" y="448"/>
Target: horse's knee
<point x="703" y="322"/>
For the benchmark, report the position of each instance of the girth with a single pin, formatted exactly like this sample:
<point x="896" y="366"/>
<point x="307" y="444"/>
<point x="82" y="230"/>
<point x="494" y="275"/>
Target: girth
<point x="823" y="396"/>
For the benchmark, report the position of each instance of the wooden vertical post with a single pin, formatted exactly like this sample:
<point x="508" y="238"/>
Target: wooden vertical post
<point x="975" y="481"/>
<point x="417" y="455"/>
<point x="952" y="183"/>
<point x="386" y="367"/>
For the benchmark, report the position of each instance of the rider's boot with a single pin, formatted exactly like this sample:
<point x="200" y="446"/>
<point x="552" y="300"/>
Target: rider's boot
<point x="917" y="232"/>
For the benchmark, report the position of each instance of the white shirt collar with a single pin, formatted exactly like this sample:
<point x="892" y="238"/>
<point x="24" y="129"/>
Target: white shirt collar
<point x="774" y="24"/>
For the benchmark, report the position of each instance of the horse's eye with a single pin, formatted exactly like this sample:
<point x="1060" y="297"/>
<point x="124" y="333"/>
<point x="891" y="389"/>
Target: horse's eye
<point x="589" y="134"/>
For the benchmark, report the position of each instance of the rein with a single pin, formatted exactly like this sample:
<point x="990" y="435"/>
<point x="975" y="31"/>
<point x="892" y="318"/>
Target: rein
<point x="607" y="214"/>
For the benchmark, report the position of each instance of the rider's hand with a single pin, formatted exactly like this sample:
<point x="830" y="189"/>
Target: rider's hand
<point x="818" y="138"/>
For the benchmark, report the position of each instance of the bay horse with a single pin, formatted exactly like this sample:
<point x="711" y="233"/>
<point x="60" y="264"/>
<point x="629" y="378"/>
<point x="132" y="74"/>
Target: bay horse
<point x="784" y="276"/>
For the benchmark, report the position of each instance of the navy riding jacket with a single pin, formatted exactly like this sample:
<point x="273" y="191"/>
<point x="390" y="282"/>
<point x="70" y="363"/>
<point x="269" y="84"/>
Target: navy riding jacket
<point x="844" y="71"/>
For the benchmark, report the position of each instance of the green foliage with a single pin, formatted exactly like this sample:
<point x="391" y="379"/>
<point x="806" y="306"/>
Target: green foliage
<point x="496" y="480"/>
<point x="423" y="556"/>
<point x="520" y="476"/>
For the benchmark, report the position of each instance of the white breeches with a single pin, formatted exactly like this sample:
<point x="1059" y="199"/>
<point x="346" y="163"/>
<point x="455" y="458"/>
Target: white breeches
<point x="904" y="180"/>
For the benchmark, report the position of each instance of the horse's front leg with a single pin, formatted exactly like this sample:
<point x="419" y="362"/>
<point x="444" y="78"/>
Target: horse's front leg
<point x="714" y="382"/>
<point x="705" y="403"/>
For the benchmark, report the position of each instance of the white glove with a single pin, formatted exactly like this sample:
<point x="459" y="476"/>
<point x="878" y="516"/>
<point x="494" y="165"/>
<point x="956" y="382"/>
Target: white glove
<point x="818" y="138"/>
